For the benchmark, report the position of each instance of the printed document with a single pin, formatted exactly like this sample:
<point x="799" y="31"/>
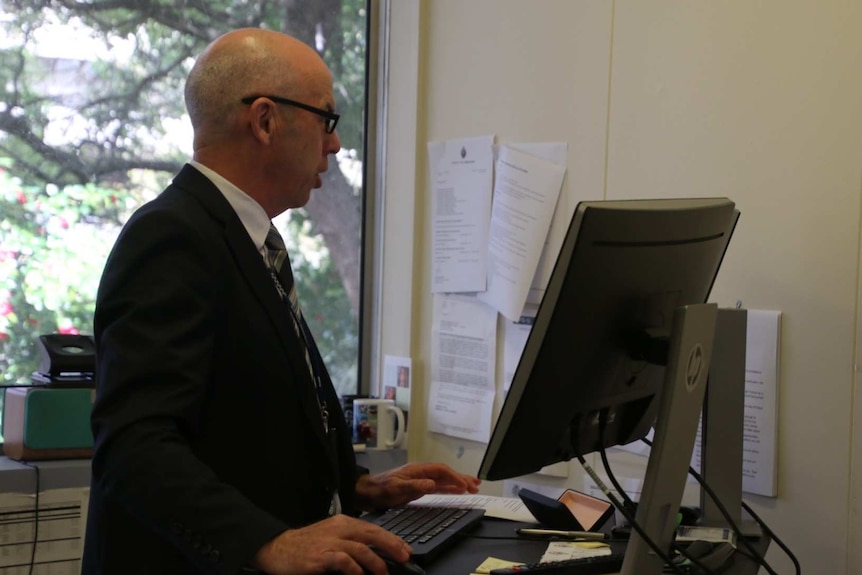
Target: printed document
<point x="461" y="173"/>
<point x="557" y="153"/>
<point x="463" y="352"/>
<point x="526" y="189"/>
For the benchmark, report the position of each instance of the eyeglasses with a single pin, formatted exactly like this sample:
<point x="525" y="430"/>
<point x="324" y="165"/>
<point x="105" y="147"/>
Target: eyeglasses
<point x="331" y="117"/>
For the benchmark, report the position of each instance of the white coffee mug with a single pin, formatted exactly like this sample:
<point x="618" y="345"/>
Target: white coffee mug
<point x="378" y="423"/>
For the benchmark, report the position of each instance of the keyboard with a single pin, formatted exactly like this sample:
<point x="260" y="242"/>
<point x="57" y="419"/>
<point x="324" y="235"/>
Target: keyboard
<point x="598" y="565"/>
<point x="428" y="530"/>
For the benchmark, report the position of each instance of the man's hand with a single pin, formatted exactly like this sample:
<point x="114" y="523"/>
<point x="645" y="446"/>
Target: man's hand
<point x="412" y="481"/>
<point x="338" y="544"/>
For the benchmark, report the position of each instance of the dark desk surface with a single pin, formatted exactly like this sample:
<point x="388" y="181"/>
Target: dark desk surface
<point x="465" y="556"/>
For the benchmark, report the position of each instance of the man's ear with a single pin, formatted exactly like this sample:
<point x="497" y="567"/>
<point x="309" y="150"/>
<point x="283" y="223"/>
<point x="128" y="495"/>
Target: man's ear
<point x="264" y="120"/>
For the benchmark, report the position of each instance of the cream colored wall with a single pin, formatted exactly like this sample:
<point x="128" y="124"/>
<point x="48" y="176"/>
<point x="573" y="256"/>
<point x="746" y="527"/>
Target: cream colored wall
<point x="760" y="101"/>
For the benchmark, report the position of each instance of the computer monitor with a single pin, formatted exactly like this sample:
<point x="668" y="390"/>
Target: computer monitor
<point x="622" y="334"/>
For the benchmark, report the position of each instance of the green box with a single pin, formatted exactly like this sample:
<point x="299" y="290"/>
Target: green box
<point x="47" y="423"/>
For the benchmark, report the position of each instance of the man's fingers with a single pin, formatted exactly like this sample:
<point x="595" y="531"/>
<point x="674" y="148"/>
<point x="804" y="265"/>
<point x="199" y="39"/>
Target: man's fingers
<point x="341" y="562"/>
<point x="357" y="535"/>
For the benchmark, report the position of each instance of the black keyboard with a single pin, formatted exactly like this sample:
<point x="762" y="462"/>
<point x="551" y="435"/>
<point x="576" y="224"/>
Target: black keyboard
<point x="429" y="530"/>
<point x="598" y="565"/>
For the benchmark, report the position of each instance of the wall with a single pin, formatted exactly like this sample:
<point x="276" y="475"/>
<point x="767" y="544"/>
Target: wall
<point x="760" y="101"/>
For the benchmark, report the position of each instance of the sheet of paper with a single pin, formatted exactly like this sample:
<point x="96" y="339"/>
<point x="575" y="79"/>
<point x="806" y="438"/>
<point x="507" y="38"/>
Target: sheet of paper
<point x="760" y="432"/>
<point x="396" y="380"/>
<point x="61" y="531"/>
<point x="463" y="353"/>
<point x="510" y="508"/>
<point x="526" y="189"/>
<point x="760" y="436"/>
<point x="563" y="550"/>
<point x="461" y="174"/>
<point x="556" y="152"/>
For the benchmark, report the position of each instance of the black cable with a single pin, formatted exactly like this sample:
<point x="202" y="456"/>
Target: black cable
<point x="606" y="464"/>
<point x="602" y="423"/>
<point x="35" y="517"/>
<point x="758" y="557"/>
<point x="774" y="537"/>
<point x="630" y="518"/>
<point x="613" y="480"/>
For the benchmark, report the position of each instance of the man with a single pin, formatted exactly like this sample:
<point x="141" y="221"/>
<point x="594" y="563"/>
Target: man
<point x="219" y="442"/>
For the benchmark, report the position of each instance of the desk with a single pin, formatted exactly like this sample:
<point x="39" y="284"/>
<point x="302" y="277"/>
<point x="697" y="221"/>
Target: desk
<point x="468" y="554"/>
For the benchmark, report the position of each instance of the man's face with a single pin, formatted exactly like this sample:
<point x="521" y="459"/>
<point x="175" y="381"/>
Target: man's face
<point x="304" y="145"/>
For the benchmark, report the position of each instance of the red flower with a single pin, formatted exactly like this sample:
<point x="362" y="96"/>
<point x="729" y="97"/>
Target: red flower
<point x="4" y="336"/>
<point x="68" y="330"/>
<point x="22" y="199"/>
<point x="6" y="308"/>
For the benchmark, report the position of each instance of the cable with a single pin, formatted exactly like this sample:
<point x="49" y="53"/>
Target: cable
<point x="629" y="517"/>
<point x="739" y="536"/>
<point x="678" y="548"/>
<point x="603" y="414"/>
<point x="774" y="537"/>
<point x="35" y="516"/>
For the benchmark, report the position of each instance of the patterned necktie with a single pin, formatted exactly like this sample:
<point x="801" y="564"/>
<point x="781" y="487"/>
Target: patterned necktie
<point x="276" y="254"/>
<point x="282" y="276"/>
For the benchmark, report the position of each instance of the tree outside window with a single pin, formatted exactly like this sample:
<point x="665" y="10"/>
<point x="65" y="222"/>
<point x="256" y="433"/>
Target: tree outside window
<point x="92" y="125"/>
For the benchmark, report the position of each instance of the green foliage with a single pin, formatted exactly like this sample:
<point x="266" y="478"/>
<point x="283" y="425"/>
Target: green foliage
<point x="53" y="243"/>
<point x="84" y="142"/>
<point x="321" y="295"/>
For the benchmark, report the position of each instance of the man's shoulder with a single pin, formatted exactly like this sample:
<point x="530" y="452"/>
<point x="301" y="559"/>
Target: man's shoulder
<point x="189" y="195"/>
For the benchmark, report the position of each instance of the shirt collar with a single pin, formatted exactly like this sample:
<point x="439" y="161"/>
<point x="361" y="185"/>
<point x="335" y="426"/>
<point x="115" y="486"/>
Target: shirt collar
<point x="250" y="213"/>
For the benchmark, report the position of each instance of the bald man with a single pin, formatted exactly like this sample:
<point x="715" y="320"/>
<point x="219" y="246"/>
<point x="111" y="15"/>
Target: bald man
<point x="220" y="446"/>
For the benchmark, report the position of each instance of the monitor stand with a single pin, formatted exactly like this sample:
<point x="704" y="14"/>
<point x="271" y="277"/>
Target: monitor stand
<point x="679" y="410"/>
<point x="723" y="424"/>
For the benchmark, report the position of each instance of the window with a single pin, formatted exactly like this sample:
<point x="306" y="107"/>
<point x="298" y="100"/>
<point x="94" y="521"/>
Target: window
<point x="92" y="125"/>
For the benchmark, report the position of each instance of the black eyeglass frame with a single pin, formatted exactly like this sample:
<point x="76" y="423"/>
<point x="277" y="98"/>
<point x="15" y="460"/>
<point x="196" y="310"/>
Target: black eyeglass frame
<point x="331" y="117"/>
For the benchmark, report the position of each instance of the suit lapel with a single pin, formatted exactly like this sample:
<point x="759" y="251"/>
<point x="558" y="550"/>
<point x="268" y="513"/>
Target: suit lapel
<point x="252" y="267"/>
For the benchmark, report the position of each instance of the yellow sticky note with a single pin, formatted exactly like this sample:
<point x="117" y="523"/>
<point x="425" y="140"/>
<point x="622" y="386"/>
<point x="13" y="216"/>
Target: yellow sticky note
<point x="492" y="563"/>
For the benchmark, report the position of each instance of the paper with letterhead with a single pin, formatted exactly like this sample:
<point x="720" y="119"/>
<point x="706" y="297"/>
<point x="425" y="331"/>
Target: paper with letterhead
<point x="463" y="354"/>
<point x="461" y="173"/>
<point x="526" y="189"/>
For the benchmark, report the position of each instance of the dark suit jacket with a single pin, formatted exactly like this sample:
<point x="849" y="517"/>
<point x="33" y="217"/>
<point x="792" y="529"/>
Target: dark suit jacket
<point x="209" y="440"/>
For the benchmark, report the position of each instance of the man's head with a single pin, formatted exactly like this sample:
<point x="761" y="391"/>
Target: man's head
<point x="272" y="149"/>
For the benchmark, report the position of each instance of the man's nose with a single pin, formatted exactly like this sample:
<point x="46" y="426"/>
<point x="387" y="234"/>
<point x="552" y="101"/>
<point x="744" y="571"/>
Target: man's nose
<point x="334" y="143"/>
